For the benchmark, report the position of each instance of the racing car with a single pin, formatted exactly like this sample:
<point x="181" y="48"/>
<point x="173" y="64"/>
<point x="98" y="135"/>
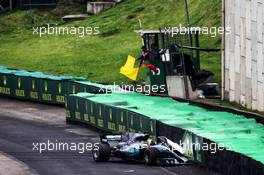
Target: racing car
<point x="138" y="147"/>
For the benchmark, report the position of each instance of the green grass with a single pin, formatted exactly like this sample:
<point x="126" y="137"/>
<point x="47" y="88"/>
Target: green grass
<point x="99" y="58"/>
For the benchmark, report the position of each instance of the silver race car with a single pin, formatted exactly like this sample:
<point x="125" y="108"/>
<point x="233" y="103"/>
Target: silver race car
<point x="139" y="147"/>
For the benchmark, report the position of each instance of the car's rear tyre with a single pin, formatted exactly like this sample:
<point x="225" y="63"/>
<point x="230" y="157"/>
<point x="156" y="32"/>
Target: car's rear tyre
<point x="102" y="152"/>
<point x="150" y="156"/>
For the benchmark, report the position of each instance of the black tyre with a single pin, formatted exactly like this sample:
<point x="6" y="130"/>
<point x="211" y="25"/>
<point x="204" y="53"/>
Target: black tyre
<point x="102" y="152"/>
<point x="150" y="156"/>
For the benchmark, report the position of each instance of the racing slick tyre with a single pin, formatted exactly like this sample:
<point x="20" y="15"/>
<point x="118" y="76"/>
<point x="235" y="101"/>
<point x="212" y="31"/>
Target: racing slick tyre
<point x="102" y="152"/>
<point x="150" y="156"/>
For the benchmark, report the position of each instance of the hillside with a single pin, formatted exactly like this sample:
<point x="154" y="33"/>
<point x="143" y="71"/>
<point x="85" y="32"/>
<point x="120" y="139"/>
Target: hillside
<point x="100" y="57"/>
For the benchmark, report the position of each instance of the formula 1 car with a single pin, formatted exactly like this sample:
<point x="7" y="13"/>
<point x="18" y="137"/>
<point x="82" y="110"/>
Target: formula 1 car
<point x="138" y="147"/>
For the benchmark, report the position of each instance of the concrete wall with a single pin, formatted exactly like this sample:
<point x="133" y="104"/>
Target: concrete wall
<point x="176" y="87"/>
<point x="96" y="7"/>
<point x="244" y="53"/>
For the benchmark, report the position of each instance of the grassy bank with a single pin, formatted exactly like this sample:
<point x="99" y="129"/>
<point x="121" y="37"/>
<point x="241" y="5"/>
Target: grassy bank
<point x="100" y="57"/>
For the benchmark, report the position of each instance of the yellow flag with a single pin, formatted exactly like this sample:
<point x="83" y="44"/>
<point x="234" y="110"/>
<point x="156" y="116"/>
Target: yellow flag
<point x="128" y="69"/>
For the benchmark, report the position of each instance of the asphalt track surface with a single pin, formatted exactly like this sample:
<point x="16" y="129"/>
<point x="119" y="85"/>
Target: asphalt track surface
<point x="24" y="123"/>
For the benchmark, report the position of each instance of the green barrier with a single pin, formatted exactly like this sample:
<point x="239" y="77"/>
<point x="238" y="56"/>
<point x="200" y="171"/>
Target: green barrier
<point x="149" y="126"/>
<point x="75" y="109"/>
<point x="34" y="89"/>
<point x="190" y="141"/>
<point x="37" y="86"/>
<point x="86" y="112"/>
<point x="6" y="82"/>
<point x="107" y="117"/>
<point x="78" y="86"/>
<point x="133" y="122"/>
<point x="140" y="123"/>
<point x="99" y="112"/>
<point x="75" y="87"/>
<point x="69" y="105"/>
<point x="112" y="116"/>
<point x="93" y="114"/>
<point x="21" y="86"/>
<point x="53" y="91"/>
<point x="78" y="109"/>
<point x="122" y="120"/>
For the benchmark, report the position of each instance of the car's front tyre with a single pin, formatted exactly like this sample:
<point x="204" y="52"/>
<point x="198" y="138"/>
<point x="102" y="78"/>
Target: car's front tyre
<point x="102" y="152"/>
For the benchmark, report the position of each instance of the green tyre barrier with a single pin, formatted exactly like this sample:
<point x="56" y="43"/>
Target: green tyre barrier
<point x="53" y="91"/>
<point x="99" y="112"/>
<point x="86" y="112"/>
<point x="106" y="117"/>
<point x="21" y="87"/>
<point x="34" y="89"/>
<point x="6" y="88"/>
<point x="122" y="121"/>
<point x="111" y="118"/>
<point x="70" y="109"/>
<point x="74" y="87"/>
<point x="78" y="108"/>
<point x="140" y="123"/>
<point x="93" y="114"/>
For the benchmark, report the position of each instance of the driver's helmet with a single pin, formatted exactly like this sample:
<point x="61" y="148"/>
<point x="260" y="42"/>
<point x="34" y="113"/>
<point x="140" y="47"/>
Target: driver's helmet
<point x="150" y="141"/>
